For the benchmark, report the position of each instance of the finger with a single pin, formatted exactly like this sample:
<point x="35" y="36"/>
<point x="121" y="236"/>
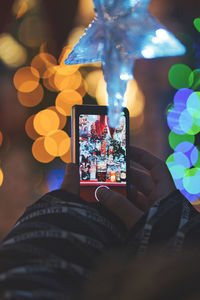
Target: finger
<point x="71" y="181"/>
<point x="144" y="158"/>
<point x="158" y="169"/>
<point x="141" y="180"/>
<point x="139" y="199"/>
<point x="120" y="206"/>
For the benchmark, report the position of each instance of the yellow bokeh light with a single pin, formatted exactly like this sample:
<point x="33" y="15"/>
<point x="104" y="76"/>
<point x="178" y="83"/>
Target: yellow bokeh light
<point x="42" y="62"/>
<point x="86" y="11"/>
<point x="70" y="82"/>
<point x="66" y="99"/>
<point x="1" y="138"/>
<point x="135" y="99"/>
<point x="92" y="80"/>
<point x="75" y="35"/>
<point x="29" y="128"/>
<point x="1" y="177"/>
<point x="62" y="118"/>
<point x="26" y="79"/>
<point x="11" y="52"/>
<point x="67" y="156"/>
<point x="46" y="121"/>
<point x="39" y="152"/>
<point x="57" y="143"/>
<point x="31" y="99"/>
<point x="31" y="31"/>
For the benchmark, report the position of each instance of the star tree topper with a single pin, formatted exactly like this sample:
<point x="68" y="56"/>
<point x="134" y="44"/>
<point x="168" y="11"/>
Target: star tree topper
<point x="122" y="32"/>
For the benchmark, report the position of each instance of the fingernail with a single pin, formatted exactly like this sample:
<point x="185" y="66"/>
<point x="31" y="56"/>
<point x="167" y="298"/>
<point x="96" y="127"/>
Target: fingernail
<point x="99" y="192"/>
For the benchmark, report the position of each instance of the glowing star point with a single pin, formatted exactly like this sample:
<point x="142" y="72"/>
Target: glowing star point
<point x="122" y="32"/>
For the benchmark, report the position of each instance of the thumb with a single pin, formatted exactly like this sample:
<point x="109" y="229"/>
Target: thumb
<point x="119" y="205"/>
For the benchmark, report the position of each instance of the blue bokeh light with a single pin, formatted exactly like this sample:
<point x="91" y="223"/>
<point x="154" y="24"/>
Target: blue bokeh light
<point x="185" y="121"/>
<point x="194" y="156"/>
<point x="192" y="183"/>
<point x="190" y="197"/>
<point x="173" y="120"/>
<point x="184" y="147"/>
<point x="55" y="179"/>
<point x="181" y="98"/>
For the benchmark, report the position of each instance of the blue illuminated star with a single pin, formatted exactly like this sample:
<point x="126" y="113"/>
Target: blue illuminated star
<point x="122" y="31"/>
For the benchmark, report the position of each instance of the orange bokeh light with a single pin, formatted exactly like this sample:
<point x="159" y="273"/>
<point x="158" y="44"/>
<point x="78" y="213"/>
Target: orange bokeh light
<point x="64" y="54"/>
<point x="82" y="90"/>
<point x="66" y="99"/>
<point x="67" y="156"/>
<point x="48" y="79"/>
<point x="42" y="62"/>
<point x="46" y="121"/>
<point x="57" y="143"/>
<point x="29" y="128"/>
<point x="1" y="138"/>
<point x="64" y="82"/>
<point x="39" y="152"/>
<point x="26" y="79"/>
<point x="63" y="119"/>
<point x="31" y="99"/>
<point x="1" y="177"/>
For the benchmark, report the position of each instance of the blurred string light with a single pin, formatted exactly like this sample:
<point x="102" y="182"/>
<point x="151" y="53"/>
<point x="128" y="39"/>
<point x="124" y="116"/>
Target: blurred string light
<point x="20" y="7"/>
<point x="11" y="52"/>
<point x="183" y="119"/>
<point x="45" y="128"/>
<point x="22" y="10"/>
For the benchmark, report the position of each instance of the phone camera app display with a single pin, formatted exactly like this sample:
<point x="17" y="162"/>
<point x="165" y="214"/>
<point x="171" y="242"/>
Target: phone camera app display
<point x="102" y="151"/>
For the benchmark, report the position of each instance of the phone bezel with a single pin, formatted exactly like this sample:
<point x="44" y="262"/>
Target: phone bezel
<point x="77" y="110"/>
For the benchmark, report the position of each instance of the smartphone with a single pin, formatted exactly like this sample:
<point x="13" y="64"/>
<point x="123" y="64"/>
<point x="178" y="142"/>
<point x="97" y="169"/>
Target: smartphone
<point x="101" y="152"/>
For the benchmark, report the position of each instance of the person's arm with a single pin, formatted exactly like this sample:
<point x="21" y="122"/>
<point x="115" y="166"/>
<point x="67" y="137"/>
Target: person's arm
<point x="156" y="213"/>
<point x="53" y="246"/>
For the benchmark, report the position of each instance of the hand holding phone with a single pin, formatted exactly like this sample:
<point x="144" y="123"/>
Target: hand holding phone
<point x="100" y="151"/>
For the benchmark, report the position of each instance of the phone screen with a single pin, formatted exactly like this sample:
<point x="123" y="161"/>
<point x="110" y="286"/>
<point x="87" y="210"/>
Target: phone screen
<point x="102" y="155"/>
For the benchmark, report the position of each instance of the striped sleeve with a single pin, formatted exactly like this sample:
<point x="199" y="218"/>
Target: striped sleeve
<point x="172" y="223"/>
<point x="52" y="248"/>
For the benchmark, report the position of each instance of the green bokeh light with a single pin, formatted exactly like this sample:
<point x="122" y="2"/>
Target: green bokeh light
<point x="197" y="164"/>
<point x="197" y="24"/>
<point x="180" y="76"/>
<point x="175" y="139"/>
<point x="195" y="77"/>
